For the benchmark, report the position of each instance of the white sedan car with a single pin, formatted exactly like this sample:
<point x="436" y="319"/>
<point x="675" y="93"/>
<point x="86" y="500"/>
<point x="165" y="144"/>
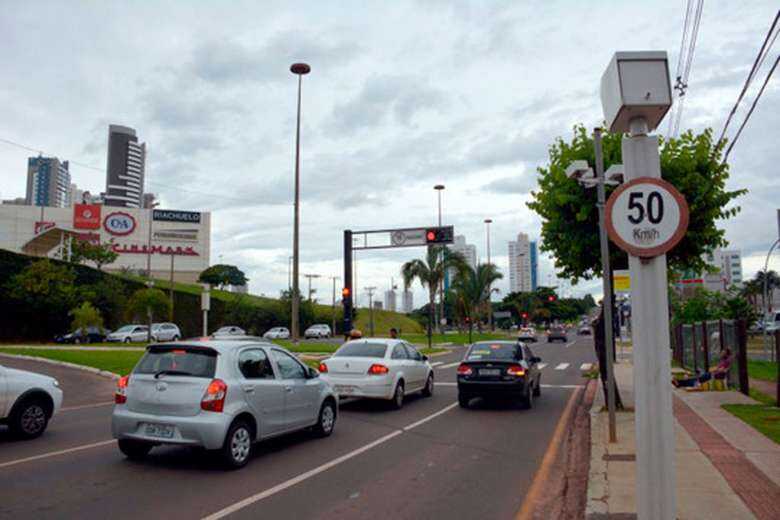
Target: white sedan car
<point x="378" y="368"/>
<point x="27" y="401"/>
<point x="277" y="333"/>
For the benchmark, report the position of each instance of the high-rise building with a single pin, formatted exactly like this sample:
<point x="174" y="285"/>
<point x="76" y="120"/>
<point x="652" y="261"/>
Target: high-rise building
<point x="48" y="182"/>
<point x="520" y="264"/>
<point x="407" y="301"/>
<point x="534" y="251"/>
<point x="390" y="300"/>
<point x="728" y="269"/>
<point x="469" y="252"/>
<point x="125" y="169"/>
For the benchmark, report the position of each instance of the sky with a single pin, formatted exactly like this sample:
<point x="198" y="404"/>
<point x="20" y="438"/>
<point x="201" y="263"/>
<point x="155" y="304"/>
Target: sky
<point x="401" y="96"/>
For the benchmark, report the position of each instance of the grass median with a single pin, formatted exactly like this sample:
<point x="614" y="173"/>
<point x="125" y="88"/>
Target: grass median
<point x="764" y="370"/>
<point x="117" y="361"/>
<point x="764" y="418"/>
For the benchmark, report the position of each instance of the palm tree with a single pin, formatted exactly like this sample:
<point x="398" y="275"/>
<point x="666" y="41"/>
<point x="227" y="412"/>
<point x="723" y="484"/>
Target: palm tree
<point x="472" y="289"/>
<point x="430" y="273"/>
<point x="772" y="283"/>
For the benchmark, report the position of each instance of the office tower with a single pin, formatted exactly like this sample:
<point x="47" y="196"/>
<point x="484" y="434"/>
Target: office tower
<point x="125" y="169"/>
<point x="520" y="264"/>
<point x="48" y="182"/>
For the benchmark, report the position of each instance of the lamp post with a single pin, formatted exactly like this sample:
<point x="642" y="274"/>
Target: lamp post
<point x="766" y="298"/>
<point x="299" y="69"/>
<point x="489" y="221"/>
<point x="370" y="291"/>
<point x="333" y="312"/>
<point x="439" y="188"/>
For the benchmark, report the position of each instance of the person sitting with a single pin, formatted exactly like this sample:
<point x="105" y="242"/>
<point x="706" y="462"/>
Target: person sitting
<point x="719" y="372"/>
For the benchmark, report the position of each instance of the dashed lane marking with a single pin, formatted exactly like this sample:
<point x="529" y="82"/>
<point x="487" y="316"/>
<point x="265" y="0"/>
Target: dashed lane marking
<point x="586" y="366"/>
<point x="562" y="366"/>
<point x="437" y="364"/>
<point x="449" y="365"/>
<point x="55" y="453"/>
<point x="542" y="365"/>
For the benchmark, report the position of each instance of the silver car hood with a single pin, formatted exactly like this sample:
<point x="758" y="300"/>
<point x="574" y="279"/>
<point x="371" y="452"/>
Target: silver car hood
<point x="30" y="377"/>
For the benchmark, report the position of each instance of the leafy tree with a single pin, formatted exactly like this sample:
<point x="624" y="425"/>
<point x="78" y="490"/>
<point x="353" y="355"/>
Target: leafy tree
<point x="692" y="163"/>
<point x="44" y="292"/>
<point x="86" y="316"/>
<point x="108" y="295"/>
<point x="149" y="304"/>
<point x="100" y="254"/>
<point x="772" y="281"/>
<point x="472" y="288"/>
<point x="704" y="305"/>
<point x="221" y="275"/>
<point x="430" y="273"/>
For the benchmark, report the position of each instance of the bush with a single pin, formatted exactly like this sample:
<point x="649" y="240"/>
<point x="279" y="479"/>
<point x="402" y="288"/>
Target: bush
<point x="86" y="316"/>
<point x="148" y="301"/>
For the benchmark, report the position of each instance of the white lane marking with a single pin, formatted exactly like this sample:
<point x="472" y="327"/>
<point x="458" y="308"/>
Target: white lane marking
<point x="437" y="363"/>
<point x="316" y="471"/>
<point x="542" y="365"/>
<point x="543" y="386"/>
<point x="571" y="343"/>
<point x="562" y="366"/>
<point x="449" y="365"/>
<point x="55" y="453"/>
<point x="82" y="406"/>
<point x="586" y="366"/>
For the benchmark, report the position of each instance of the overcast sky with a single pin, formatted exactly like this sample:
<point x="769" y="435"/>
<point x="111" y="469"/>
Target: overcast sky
<point x="402" y="96"/>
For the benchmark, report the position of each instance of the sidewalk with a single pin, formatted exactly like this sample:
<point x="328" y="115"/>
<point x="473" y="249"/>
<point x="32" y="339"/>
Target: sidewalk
<point x="725" y="468"/>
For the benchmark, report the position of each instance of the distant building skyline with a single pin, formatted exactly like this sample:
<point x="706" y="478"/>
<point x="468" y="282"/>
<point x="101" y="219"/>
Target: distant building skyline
<point x="48" y="182"/>
<point x="407" y="301"/>
<point x="469" y="252"/>
<point x="521" y="278"/>
<point x="125" y="168"/>
<point x="390" y="300"/>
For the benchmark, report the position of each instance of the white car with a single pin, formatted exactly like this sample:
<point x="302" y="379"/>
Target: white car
<point x="229" y="330"/>
<point x="317" y="331"/>
<point x="128" y="333"/>
<point x="27" y="401"/>
<point x="165" y="332"/>
<point x="277" y="333"/>
<point x="378" y="368"/>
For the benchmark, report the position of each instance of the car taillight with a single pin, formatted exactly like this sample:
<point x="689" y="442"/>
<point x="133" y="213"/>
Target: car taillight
<point x="464" y="370"/>
<point x="214" y="398"/>
<point x="120" y="396"/>
<point x="378" y="370"/>
<point x="515" y="370"/>
<point x="323" y="368"/>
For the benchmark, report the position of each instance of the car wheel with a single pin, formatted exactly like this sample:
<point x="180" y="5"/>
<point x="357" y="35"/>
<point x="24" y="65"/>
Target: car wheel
<point x="398" y="396"/>
<point x="527" y="401"/>
<point x="237" y="446"/>
<point x="428" y="390"/>
<point x="127" y="340"/>
<point x="463" y="400"/>
<point x="327" y="419"/>
<point x="538" y="387"/>
<point x="29" y="419"/>
<point x="134" y="450"/>
<point x="176" y="338"/>
<point x="76" y="341"/>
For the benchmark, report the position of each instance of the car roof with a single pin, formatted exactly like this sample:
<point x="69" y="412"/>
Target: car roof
<point x="386" y="341"/>
<point x="219" y="344"/>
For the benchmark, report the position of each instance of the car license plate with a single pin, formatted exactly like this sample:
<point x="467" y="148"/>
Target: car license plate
<point x="345" y="389"/>
<point x="490" y="372"/>
<point x="159" y="430"/>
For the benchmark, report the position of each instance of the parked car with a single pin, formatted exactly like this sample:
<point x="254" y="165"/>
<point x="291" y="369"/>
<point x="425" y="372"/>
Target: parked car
<point x="218" y="395"/>
<point x="557" y="333"/>
<point x="499" y="369"/>
<point x="277" y="333"/>
<point x="129" y="333"/>
<point x="165" y="332"/>
<point x="229" y="330"/>
<point x="378" y="368"/>
<point x="772" y="322"/>
<point x="585" y="330"/>
<point x="527" y="334"/>
<point x="28" y="401"/>
<point x="88" y="335"/>
<point x="318" y="331"/>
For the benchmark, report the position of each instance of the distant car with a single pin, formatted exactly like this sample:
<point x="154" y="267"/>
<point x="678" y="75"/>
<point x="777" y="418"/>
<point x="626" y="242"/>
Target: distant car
<point x="129" y="333"/>
<point x="90" y="335"/>
<point x="218" y="395"/>
<point x="527" y="334"/>
<point x="165" y="332"/>
<point x="500" y="370"/>
<point x="585" y="330"/>
<point x="772" y="322"/>
<point x="27" y="401"/>
<point x="229" y="330"/>
<point x="317" y="331"/>
<point x="378" y="368"/>
<point x="557" y="333"/>
<point x="277" y="333"/>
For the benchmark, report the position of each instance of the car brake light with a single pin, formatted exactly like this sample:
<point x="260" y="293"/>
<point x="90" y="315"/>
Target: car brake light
<point x="515" y="370"/>
<point x="378" y="370"/>
<point x="214" y="398"/>
<point x="464" y="370"/>
<point x="323" y="368"/>
<point x="120" y="396"/>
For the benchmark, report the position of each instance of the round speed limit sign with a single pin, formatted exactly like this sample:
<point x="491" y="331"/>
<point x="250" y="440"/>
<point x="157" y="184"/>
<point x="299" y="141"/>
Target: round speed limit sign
<point x="646" y="217"/>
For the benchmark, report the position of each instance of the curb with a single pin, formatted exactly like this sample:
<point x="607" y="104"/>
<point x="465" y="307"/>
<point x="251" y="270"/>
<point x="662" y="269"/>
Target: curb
<point x="91" y="370"/>
<point x="598" y="483"/>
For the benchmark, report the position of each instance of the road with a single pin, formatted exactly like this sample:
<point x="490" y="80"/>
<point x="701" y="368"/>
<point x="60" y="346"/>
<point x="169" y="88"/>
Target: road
<point x="431" y="459"/>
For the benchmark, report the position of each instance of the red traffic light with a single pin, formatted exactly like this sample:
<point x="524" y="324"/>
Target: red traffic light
<point x="439" y="235"/>
<point x="551" y="298"/>
<point x="431" y="236"/>
<point x="525" y="315"/>
<point x="345" y="292"/>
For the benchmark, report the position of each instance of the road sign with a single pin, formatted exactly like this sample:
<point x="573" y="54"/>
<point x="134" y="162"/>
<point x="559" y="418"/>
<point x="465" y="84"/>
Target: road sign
<point x="499" y="315"/>
<point x="408" y="237"/>
<point x="621" y="281"/>
<point x="646" y="217"/>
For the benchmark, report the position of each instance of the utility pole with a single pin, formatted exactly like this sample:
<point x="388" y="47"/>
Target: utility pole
<point x="310" y="276"/>
<point x="490" y="288"/>
<point x="370" y="291"/>
<point x="333" y="311"/>
<point x="171" y="282"/>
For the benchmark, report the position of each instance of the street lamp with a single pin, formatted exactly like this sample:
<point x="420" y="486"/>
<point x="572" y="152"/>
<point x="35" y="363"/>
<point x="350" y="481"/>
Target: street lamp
<point x="298" y="69"/>
<point x="765" y="293"/>
<point x="310" y="276"/>
<point x="489" y="221"/>
<point x="439" y="188"/>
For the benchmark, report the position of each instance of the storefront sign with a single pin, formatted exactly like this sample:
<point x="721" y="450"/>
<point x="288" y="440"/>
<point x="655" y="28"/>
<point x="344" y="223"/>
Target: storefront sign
<point x="177" y="235"/>
<point x="621" y="281"/>
<point x="86" y="216"/>
<point x="42" y="226"/>
<point x="169" y="215"/>
<point x="119" y="223"/>
<point x="154" y="250"/>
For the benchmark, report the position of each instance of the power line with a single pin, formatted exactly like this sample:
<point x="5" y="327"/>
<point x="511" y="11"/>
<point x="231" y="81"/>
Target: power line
<point x="685" y="61"/>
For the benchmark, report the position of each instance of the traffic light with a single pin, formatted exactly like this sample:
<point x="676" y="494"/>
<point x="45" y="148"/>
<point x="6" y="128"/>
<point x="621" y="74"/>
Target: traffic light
<point x="345" y="292"/>
<point x="439" y="235"/>
<point x="525" y="315"/>
<point x="551" y="298"/>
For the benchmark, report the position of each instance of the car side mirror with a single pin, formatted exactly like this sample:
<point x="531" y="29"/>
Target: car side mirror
<point x="313" y="373"/>
<point x="425" y="358"/>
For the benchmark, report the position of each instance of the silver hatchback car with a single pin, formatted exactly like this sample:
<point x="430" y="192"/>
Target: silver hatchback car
<point x="219" y="395"/>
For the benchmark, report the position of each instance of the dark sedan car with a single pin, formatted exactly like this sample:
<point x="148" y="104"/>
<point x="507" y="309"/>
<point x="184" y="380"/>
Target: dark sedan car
<point x="557" y="333"/>
<point x="90" y="335"/>
<point x="501" y="370"/>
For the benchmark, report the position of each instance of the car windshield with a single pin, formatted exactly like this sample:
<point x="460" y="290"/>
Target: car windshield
<point x="126" y="328"/>
<point x="182" y="361"/>
<point x="361" y="349"/>
<point x="500" y="351"/>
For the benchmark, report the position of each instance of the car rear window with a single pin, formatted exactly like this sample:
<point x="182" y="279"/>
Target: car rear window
<point x="362" y="349"/>
<point x="494" y="351"/>
<point x="182" y="361"/>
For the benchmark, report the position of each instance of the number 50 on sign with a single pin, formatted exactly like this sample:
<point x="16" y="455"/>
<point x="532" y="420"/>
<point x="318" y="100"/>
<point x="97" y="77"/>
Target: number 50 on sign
<point x="646" y="217"/>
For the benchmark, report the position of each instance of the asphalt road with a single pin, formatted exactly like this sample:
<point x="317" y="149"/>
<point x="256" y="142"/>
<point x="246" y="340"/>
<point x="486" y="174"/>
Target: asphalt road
<point x="431" y="459"/>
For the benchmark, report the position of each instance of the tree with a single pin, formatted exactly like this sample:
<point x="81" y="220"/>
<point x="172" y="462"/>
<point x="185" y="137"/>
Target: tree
<point x="430" y="274"/>
<point x="86" y="316"/>
<point x="45" y="292"/>
<point x="100" y="254"/>
<point x="692" y="163"/>
<point x="772" y="281"/>
<point x="221" y="275"/>
<point x="472" y="288"/>
<point x="151" y="304"/>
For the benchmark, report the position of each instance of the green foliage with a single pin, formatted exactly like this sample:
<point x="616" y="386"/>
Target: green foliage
<point x="144" y="301"/>
<point x="45" y="292"/>
<point x="706" y="305"/>
<point x="765" y="419"/>
<point x="100" y="254"/>
<point x="540" y="309"/>
<point x="221" y="275"/>
<point x="472" y="289"/>
<point x="692" y="163"/>
<point x="108" y="295"/>
<point x="86" y="316"/>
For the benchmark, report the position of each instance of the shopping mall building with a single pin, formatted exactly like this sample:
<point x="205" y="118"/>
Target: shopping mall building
<point x="158" y="240"/>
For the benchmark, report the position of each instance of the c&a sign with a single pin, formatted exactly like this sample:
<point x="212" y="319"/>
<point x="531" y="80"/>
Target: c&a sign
<point x="119" y="223"/>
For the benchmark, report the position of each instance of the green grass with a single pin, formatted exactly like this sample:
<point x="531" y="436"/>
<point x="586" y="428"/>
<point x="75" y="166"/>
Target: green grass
<point x="764" y="370"/>
<point x="119" y="362"/>
<point x="307" y="347"/>
<point x="429" y="351"/>
<point x="761" y="397"/>
<point x="765" y="419"/>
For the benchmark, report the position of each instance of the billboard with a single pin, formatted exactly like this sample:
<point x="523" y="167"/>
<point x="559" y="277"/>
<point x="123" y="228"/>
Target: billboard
<point x="169" y="215"/>
<point x="86" y="216"/>
<point x="621" y="281"/>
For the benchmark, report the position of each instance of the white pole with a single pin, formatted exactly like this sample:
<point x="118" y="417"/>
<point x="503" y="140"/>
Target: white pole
<point x="655" y="441"/>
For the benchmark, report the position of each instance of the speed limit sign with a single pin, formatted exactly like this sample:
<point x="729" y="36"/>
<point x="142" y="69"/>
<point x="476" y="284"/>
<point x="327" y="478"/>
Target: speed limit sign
<point x="646" y="217"/>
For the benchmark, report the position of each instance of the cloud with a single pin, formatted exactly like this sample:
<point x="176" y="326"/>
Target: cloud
<point x="511" y="185"/>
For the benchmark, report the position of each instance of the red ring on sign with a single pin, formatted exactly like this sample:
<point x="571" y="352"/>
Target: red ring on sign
<point x="660" y="249"/>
